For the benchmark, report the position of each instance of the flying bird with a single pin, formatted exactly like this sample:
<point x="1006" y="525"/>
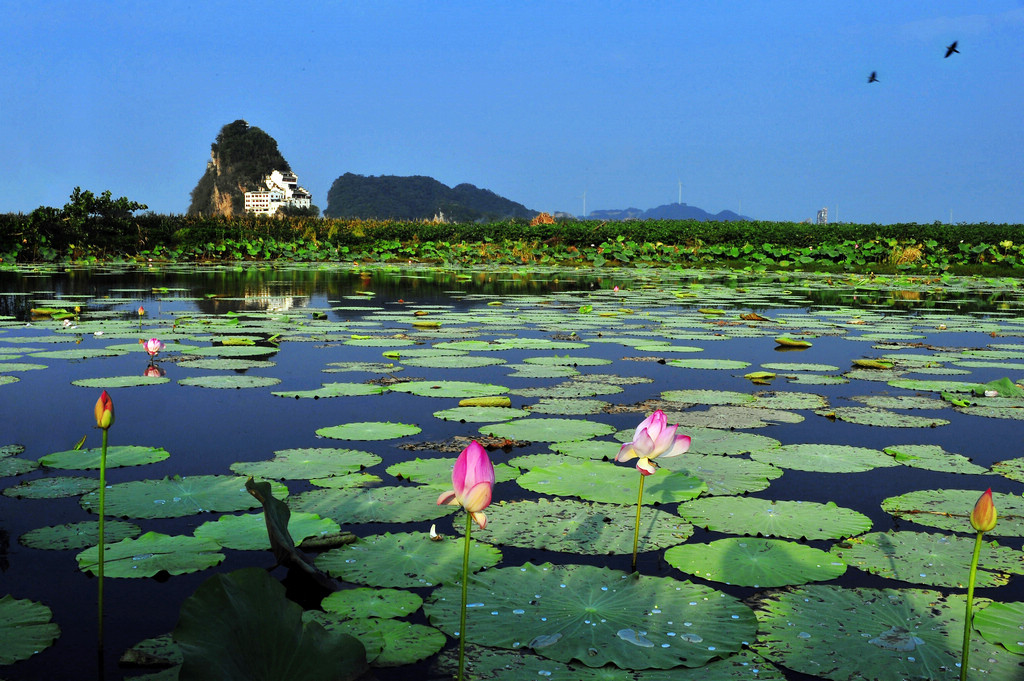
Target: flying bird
<point x="873" y="78"/>
<point x="951" y="49"/>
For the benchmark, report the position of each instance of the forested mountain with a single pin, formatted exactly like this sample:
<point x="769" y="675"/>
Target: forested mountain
<point x="239" y="160"/>
<point x="669" y="211"/>
<point x="416" y="198"/>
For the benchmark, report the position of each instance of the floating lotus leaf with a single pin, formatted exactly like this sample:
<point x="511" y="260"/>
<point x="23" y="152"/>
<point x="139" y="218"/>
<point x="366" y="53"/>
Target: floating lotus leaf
<point x="548" y="430"/>
<point x="899" y="401"/>
<point x="233" y="351"/>
<point x="587" y="449"/>
<point x="567" y="360"/>
<point x="78" y="535"/>
<point x="790" y="519"/>
<point x="7" y="367"/>
<point x="716" y="440"/>
<point x="597" y="616"/>
<point x="884" y="634"/>
<point x="708" y="397"/>
<point x="540" y="371"/>
<point x="406" y="504"/>
<point x="578" y="527"/>
<point x="868" y="416"/>
<point x="709" y="363"/>
<point x="177" y="497"/>
<point x="11" y="466"/>
<point x="303" y="464"/>
<point x="756" y="562"/>
<point x="613" y="379"/>
<point x="369" y="430"/>
<point x="405" y="560"/>
<point x="1000" y="623"/>
<point x="117" y="457"/>
<point x="666" y="348"/>
<point x="25" y="629"/>
<point x="733" y="417"/>
<point x="217" y="364"/>
<point x="111" y="382"/>
<point x="448" y="388"/>
<point x="53" y="488"/>
<point x="11" y="450"/>
<point x="380" y="342"/>
<point x="1008" y="412"/>
<point x="77" y="353"/>
<point x="610" y="483"/>
<point x="949" y="509"/>
<point x="1012" y="469"/>
<point x="333" y="390"/>
<point x="451" y="362"/>
<point x="931" y="559"/>
<point x="154" y="651"/>
<point x="790" y="400"/>
<point x="568" y="390"/>
<point x="934" y="458"/>
<point x="151" y="554"/>
<point x="240" y="627"/>
<point x="566" y="407"/>
<point x="480" y="414"/>
<point x="528" y="461"/>
<point x="824" y="458"/>
<point x="368" y="367"/>
<point x="402" y="643"/>
<point x="724" y="474"/>
<point x="932" y="386"/>
<point x="366" y="602"/>
<point x="798" y="366"/>
<point x="249" y="532"/>
<point x="437" y="473"/>
<point x="815" y="379"/>
<point x="346" y="481"/>
<point x="230" y="381"/>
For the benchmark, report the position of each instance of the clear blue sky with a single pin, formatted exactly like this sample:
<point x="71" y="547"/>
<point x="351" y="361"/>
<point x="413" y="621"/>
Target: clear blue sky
<point x="757" y="107"/>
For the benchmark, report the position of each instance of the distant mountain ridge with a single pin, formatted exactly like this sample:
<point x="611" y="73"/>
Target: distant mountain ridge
<point x="416" y="197"/>
<point x="668" y="211"/>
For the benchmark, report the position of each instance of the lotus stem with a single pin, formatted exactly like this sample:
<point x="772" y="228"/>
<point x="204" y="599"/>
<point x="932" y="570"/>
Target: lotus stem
<point x="636" y="525"/>
<point x="465" y="593"/>
<point x="969" y="615"/>
<point x="103" y="494"/>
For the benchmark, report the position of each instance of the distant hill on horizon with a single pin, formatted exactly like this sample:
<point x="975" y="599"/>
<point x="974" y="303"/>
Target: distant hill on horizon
<point x="416" y="197"/>
<point x="668" y="211"/>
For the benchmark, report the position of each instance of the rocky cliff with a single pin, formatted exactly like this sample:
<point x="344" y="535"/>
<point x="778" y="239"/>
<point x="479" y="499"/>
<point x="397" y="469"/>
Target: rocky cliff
<point x="240" y="158"/>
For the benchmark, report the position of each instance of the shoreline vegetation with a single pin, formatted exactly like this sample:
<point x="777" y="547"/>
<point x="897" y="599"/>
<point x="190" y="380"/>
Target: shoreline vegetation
<point x="97" y="228"/>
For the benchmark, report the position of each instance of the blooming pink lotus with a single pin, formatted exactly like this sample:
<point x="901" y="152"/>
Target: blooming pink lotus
<point x="153" y="346"/>
<point x="653" y="438"/>
<point x="473" y="481"/>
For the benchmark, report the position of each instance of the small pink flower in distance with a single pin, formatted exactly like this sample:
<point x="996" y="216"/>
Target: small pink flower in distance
<point x="472" y="482"/>
<point x="653" y="438"/>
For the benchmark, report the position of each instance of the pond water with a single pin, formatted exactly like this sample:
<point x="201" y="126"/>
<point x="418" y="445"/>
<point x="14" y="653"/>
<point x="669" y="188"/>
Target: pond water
<point x="600" y="348"/>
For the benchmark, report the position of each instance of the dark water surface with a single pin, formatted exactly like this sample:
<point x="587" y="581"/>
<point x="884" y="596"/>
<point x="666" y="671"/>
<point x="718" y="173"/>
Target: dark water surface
<point x="206" y="430"/>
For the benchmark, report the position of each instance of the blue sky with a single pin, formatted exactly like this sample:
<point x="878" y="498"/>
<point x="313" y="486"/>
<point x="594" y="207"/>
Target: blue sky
<point x="757" y="107"/>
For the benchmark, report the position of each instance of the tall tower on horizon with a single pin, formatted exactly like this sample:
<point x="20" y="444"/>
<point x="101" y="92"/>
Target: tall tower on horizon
<point x="823" y="216"/>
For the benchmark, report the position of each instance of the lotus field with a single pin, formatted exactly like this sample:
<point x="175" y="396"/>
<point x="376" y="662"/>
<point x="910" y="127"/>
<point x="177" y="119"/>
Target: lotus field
<point x="662" y="474"/>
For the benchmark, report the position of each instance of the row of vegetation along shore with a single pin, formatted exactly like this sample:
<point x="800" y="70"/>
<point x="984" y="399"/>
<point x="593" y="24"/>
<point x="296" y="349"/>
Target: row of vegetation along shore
<point x="97" y="228"/>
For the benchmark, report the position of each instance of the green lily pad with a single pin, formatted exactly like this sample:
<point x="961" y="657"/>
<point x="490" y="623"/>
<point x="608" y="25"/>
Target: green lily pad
<point x="548" y="430"/>
<point x="230" y="381"/>
<point x="724" y="475"/>
<point x="7" y="367"/>
<point x="900" y="402"/>
<point x="367" y="602"/>
<point x="151" y="554"/>
<point x="11" y="450"/>
<point x="798" y="366"/>
<point x="219" y="364"/>
<point x="111" y="382"/>
<point x="11" y="466"/>
<point x="950" y="509"/>
<point x="233" y="351"/>
<point x="756" y="562"/>
<point x="883" y="634"/>
<point x="347" y="480"/>
<point x="568" y="407"/>
<point x="868" y="416"/>
<point x="709" y="397"/>
<point x="406" y="504"/>
<point x="332" y="390"/>
<point x="451" y="362"/>
<point x="717" y="441"/>
<point x="6" y="380"/>
<point x="369" y="430"/>
<point x="708" y="363"/>
<point x="449" y="389"/>
<point x="403" y="643"/>
<point x="26" y="629"/>
<point x="931" y="559"/>
<point x="1012" y="469"/>
<point x="53" y="488"/>
<point x="77" y="353"/>
<point x="78" y="535"/>
<point x="932" y="386"/>
<point x="934" y="458"/>
<point x="177" y="497"/>
<point x="610" y="483"/>
<point x="1000" y="623"/>
<point x="480" y="414"/>
<point x="405" y="560"/>
<point x="568" y="361"/>
<point x="790" y="519"/>
<point x="117" y="457"/>
<point x="824" y="458"/>
<point x="249" y="532"/>
<point x="303" y="464"/>
<point x="437" y="473"/>
<point x="587" y="449"/>
<point x="726" y="417"/>
<point x="578" y="527"/>
<point x="597" y="616"/>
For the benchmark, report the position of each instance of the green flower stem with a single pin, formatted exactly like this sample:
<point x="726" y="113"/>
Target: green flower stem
<point x="636" y="526"/>
<point x="968" y="616"/>
<point x="465" y="592"/>
<point x="103" y="495"/>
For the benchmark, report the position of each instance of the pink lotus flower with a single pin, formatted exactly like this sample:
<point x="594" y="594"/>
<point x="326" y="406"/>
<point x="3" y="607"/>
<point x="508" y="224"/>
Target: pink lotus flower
<point x="653" y="438"/>
<point x="983" y="517"/>
<point x="473" y="481"/>
<point x="142" y="310"/>
<point x="104" y="411"/>
<point x="153" y="346"/>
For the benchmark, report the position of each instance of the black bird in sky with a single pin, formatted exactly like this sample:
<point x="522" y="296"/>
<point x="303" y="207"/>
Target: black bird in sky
<point x="873" y="78"/>
<point x="951" y="49"/>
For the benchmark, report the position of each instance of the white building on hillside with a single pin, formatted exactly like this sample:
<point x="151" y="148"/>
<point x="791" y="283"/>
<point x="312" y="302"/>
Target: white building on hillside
<point x="282" y="190"/>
